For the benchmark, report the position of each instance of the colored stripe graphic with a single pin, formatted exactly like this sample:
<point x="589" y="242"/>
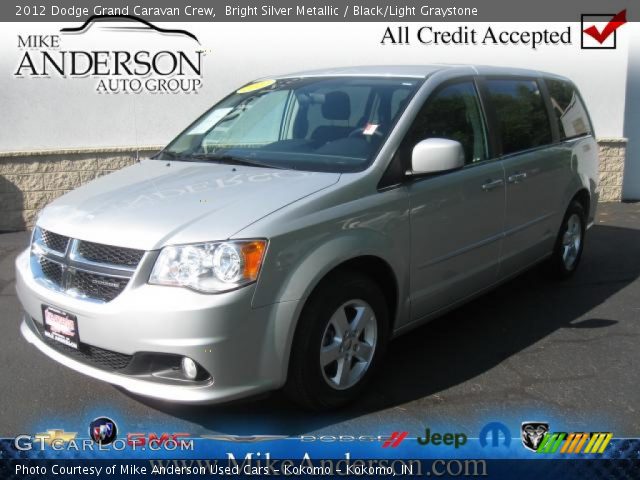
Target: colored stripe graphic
<point x="551" y="442"/>
<point x="598" y="443"/>
<point x="570" y="439"/>
<point x="573" y="442"/>
<point x="395" y="439"/>
<point x="579" y="446"/>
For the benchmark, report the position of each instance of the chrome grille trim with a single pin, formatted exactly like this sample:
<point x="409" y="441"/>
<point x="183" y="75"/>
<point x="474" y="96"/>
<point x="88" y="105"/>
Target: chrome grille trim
<point x="70" y="273"/>
<point x="41" y="241"/>
<point x="54" y="241"/>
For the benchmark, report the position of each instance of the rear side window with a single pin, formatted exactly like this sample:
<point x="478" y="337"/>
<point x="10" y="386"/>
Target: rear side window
<point x="521" y="114"/>
<point x="568" y="110"/>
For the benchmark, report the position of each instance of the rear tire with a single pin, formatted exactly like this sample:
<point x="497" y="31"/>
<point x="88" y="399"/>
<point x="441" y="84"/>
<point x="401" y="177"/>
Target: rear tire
<point x="340" y="339"/>
<point x="569" y="243"/>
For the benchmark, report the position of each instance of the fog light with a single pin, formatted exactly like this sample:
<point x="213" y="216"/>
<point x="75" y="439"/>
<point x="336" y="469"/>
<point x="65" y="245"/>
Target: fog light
<point x="189" y="368"/>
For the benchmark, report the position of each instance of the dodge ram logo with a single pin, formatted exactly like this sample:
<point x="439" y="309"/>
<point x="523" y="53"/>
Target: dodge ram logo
<point x="533" y="433"/>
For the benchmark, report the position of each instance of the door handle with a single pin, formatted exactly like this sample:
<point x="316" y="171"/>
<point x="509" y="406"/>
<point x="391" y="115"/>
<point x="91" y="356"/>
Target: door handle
<point x="491" y="184"/>
<point x="517" y="177"/>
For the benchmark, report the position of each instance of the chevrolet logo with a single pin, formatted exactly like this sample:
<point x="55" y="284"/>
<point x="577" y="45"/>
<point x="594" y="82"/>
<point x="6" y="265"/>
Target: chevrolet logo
<point x="55" y="434"/>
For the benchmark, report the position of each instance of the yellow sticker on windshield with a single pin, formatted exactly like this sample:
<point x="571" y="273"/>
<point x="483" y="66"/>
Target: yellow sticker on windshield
<point x="255" y="86"/>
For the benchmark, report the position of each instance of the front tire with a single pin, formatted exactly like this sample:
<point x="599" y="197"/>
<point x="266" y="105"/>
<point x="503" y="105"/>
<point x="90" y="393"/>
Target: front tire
<point x="339" y="341"/>
<point x="569" y="243"/>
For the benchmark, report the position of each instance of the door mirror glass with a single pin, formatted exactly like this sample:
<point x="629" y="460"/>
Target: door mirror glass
<point x="435" y="155"/>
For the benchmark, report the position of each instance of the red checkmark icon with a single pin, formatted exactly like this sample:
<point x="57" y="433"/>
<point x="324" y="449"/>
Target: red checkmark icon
<point x="616" y="22"/>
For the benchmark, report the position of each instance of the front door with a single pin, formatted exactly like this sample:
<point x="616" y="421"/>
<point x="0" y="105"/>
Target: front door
<point x="457" y="217"/>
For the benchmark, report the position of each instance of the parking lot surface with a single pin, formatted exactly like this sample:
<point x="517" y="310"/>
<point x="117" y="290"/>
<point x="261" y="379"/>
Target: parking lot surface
<point x="561" y="351"/>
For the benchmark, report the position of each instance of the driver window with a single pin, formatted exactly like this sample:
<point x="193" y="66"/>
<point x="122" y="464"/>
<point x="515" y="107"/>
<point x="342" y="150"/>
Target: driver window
<point x="453" y="112"/>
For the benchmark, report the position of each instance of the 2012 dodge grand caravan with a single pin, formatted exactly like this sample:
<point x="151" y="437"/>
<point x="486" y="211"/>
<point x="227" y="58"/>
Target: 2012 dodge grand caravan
<point x="297" y="226"/>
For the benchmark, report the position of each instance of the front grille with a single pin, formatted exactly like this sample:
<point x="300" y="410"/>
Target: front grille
<point x="102" y="287"/>
<point x="54" y="241"/>
<point x="89" y="354"/>
<point x="52" y="271"/>
<point x="97" y="252"/>
<point x="82" y="269"/>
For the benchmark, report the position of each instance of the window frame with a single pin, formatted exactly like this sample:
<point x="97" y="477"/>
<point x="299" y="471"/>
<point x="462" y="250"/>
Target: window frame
<point x="494" y="123"/>
<point x="552" y="114"/>
<point x="395" y="176"/>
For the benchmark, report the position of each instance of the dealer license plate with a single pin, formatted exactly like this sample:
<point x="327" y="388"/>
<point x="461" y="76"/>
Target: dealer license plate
<point x="60" y="326"/>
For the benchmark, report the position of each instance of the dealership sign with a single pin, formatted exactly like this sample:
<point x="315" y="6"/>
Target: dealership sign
<point x="156" y="67"/>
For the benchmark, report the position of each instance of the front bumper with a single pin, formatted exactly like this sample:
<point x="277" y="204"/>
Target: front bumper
<point x="245" y="350"/>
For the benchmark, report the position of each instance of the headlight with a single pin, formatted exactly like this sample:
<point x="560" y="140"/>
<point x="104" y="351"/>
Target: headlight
<point x="209" y="267"/>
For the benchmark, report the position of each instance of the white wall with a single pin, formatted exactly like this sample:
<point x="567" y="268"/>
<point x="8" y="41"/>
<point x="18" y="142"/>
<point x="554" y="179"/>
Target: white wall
<point x="631" y="186"/>
<point x="54" y="113"/>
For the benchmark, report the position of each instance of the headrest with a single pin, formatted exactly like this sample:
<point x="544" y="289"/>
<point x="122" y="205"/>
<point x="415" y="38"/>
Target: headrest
<point x="336" y="106"/>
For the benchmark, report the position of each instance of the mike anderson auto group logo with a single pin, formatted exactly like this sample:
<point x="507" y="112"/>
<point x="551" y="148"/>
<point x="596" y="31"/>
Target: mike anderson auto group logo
<point x="164" y="60"/>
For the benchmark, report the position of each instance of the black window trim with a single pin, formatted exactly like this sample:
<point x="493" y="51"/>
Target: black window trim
<point x="494" y="142"/>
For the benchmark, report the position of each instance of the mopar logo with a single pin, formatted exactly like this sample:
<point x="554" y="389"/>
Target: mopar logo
<point x="105" y="283"/>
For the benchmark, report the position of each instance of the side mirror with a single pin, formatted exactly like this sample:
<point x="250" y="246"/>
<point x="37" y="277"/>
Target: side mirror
<point x="435" y="155"/>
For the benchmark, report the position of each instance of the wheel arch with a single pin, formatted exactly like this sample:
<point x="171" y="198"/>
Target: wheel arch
<point x="584" y="198"/>
<point x="379" y="271"/>
<point x="297" y="260"/>
<point x="336" y="282"/>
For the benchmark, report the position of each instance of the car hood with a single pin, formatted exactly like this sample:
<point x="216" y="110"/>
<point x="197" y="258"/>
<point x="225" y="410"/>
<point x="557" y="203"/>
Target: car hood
<point x="155" y="203"/>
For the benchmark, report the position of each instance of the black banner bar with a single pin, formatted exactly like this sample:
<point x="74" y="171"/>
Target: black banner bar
<point x="314" y="10"/>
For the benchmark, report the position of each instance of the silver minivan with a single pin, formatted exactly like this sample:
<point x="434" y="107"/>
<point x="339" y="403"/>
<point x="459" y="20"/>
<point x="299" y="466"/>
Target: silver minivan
<point x="283" y="238"/>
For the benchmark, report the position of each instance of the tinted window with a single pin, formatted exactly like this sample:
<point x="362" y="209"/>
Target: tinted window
<point x="568" y="109"/>
<point x="521" y="114"/>
<point x="454" y="113"/>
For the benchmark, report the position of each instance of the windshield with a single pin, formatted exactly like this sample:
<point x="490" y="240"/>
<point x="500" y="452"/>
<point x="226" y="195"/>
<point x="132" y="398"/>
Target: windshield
<point x="314" y="124"/>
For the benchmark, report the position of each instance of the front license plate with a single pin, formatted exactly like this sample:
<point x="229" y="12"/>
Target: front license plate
<point x="60" y="326"/>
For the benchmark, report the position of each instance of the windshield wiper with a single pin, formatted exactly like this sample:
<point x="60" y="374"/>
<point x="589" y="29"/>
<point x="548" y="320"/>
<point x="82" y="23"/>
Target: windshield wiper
<point x="234" y="160"/>
<point x="168" y="153"/>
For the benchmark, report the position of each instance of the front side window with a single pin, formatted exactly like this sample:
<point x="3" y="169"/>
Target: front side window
<point x="568" y="110"/>
<point x="313" y="124"/>
<point x="453" y="112"/>
<point x="521" y="114"/>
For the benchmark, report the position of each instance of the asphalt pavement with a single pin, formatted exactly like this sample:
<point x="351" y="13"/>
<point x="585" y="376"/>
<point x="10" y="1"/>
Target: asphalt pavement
<point x="567" y="352"/>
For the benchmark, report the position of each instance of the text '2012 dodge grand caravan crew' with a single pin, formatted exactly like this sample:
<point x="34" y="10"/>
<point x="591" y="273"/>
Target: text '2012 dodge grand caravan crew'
<point x="291" y="231"/>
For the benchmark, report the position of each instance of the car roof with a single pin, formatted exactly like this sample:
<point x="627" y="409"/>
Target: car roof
<point x="416" y="71"/>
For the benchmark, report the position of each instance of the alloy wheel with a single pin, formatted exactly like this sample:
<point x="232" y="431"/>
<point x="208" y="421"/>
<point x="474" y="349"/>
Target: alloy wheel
<point x="572" y="241"/>
<point x="348" y="344"/>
